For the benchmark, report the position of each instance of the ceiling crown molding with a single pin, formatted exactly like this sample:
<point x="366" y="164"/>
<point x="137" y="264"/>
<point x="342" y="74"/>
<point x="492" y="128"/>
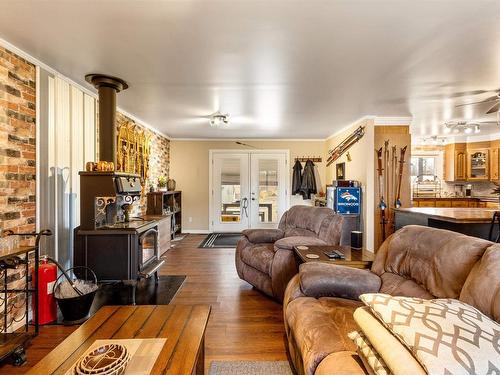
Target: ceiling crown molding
<point x="393" y="120"/>
<point x="355" y="122"/>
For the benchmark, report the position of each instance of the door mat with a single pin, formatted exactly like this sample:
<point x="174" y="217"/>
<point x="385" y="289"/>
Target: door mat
<point x="220" y="240"/>
<point x="250" y="368"/>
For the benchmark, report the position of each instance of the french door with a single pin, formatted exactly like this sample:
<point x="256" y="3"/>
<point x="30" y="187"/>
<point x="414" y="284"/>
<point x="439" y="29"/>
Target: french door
<point x="248" y="189"/>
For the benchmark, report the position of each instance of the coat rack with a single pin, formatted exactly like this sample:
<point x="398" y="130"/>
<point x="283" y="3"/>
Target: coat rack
<point x="313" y="159"/>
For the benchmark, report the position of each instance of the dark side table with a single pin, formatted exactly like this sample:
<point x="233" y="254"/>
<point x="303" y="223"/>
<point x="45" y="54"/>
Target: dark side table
<point x="353" y="258"/>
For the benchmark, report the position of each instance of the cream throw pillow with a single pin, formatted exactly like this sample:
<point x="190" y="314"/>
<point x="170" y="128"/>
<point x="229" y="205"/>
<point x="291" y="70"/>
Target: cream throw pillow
<point x="396" y="356"/>
<point x="369" y="356"/>
<point x="447" y="336"/>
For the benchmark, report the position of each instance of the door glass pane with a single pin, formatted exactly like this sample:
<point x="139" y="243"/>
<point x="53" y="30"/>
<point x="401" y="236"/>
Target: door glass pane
<point x="268" y="190"/>
<point x="478" y="165"/>
<point x="230" y="190"/>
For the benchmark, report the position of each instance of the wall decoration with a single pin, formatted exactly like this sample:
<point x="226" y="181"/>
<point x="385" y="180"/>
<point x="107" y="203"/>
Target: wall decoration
<point x="340" y="171"/>
<point x="345" y="145"/>
<point x="157" y="150"/>
<point x="133" y="148"/>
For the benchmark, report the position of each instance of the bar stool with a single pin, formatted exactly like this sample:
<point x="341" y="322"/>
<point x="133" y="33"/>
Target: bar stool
<point x="495" y="220"/>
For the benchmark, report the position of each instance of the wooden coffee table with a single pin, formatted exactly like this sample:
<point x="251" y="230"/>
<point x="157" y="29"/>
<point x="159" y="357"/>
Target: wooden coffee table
<point x="183" y="327"/>
<point x="353" y="258"/>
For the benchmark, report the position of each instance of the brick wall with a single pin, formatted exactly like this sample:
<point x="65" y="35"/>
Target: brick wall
<point x="17" y="142"/>
<point x="159" y="160"/>
<point x="17" y="166"/>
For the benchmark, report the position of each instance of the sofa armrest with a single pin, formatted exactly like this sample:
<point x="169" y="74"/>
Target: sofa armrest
<point x="288" y="243"/>
<point x="263" y="235"/>
<point x="331" y="280"/>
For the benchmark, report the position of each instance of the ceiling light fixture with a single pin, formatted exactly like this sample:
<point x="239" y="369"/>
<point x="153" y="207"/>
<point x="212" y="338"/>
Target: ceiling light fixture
<point x="219" y="119"/>
<point x="466" y="127"/>
<point x="434" y="140"/>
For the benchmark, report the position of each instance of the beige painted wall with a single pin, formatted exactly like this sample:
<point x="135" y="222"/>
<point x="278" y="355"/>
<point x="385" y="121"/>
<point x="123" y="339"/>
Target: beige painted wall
<point x="360" y="168"/>
<point x="189" y="162"/>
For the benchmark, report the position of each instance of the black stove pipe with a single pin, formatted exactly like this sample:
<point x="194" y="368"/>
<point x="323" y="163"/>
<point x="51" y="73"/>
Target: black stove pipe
<point x="107" y="87"/>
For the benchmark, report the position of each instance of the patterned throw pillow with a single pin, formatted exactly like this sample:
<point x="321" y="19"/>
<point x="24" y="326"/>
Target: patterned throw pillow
<point x="446" y="336"/>
<point x="369" y="355"/>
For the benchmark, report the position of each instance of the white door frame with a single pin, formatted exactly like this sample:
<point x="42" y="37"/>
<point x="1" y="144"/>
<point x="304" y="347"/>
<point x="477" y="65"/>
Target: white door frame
<point x="211" y="218"/>
<point x="218" y="160"/>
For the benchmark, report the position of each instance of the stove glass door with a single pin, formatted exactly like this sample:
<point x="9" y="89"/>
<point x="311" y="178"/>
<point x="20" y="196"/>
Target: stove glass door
<point x="149" y="246"/>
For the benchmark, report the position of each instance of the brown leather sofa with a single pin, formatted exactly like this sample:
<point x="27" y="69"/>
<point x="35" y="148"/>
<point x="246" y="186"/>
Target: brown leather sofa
<point x="416" y="261"/>
<point x="265" y="257"/>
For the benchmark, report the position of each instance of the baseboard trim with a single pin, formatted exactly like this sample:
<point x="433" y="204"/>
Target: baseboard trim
<point x="197" y="231"/>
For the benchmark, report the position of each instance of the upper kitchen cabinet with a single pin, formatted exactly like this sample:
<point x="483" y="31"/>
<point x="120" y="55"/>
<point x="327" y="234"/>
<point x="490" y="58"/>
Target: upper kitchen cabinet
<point x="494" y="172"/>
<point x="455" y="159"/>
<point x="478" y="164"/>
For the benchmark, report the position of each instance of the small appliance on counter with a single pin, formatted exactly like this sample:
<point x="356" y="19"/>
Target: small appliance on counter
<point x="459" y="190"/>
<point x="344" y="197"/>
<point x="468" y="190"/>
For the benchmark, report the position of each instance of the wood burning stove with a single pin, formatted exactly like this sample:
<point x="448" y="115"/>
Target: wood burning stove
<point x="114" y="247"/>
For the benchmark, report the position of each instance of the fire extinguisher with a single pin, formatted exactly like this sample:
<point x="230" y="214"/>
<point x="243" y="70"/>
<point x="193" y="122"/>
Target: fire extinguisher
<point x="47" y="307"/>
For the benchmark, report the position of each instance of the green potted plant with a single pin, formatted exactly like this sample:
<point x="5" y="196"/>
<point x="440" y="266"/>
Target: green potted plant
<point x="162" y="183"/>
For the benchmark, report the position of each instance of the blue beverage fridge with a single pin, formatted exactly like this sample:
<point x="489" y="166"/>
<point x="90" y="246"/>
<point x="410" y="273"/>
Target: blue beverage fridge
<point x="345" y="198"/>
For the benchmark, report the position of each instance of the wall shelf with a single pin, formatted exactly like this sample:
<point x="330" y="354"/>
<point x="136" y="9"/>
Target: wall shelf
<point x="167" y="202"/>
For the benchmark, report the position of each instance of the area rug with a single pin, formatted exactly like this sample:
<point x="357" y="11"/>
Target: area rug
<point x="227" y="240"/>
<point x="250" y="368"/>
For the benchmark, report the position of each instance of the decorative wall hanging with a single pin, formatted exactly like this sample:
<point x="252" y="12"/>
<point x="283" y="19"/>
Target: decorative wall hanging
<point x="133" y="149"/>
<point x="340" y="171"/>
<point x="390" y="176"/>
<point x="345" y="145"/>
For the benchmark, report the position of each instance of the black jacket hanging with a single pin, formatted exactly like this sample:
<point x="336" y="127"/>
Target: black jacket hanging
<point x="308" y="185"/>
<point x="297" y="177"/>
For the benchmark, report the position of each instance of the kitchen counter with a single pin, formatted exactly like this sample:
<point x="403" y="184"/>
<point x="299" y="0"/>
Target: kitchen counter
<point x="446" y="198"/>
<point x="462" y="202"/>
<point x="471" y="221"/>
<point x="485" y="198"/>
<point x="452" y="215"/>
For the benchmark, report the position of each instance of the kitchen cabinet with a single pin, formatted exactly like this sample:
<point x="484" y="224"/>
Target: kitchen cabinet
<point x="455" y="157"/>
<point x="429" y="203"/>
<point x="490" y="204"/>
<point x="454" y="202"/>
<point x="440" y="203"/>
<point x="478" y="164"/>
<point x="494" y="173"/>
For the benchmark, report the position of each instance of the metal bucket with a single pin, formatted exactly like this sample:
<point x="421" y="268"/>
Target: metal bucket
<point x="75" y="310"/>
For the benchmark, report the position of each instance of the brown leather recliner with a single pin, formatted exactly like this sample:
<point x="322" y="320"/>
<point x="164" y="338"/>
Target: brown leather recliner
<point x="415" y="261"/>
<point x="265" y="257"/>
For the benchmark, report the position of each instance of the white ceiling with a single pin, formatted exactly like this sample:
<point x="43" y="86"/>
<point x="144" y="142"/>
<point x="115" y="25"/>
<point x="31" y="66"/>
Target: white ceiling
<point x="281" y="69"/>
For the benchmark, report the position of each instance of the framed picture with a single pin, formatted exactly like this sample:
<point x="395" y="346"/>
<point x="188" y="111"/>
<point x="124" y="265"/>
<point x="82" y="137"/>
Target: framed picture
<point x="340" y="171"/>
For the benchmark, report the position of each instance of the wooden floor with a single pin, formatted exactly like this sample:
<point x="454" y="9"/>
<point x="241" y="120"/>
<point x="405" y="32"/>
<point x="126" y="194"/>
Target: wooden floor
<point x="244" y="324"/>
